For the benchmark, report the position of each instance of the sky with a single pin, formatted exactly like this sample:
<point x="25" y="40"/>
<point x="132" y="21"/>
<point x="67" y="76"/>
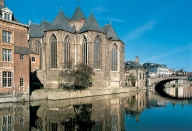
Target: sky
<point x="158" y="31"/>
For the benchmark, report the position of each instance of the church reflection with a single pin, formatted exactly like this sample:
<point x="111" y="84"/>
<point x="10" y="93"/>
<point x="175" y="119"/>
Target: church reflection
<point x="102" y="113"/>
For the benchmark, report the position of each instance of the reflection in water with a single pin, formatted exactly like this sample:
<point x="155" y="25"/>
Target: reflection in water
<point x="78" y="118"/>
<point x="179" y="89"/>
<point x="14" y="117"/>
<point x="138" y="111"/>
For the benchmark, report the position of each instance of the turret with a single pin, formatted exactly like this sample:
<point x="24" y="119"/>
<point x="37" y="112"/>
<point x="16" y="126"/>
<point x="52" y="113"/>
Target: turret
<point x="137" y="59"/>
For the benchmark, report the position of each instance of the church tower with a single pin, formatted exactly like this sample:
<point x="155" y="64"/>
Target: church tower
<point x="2" y="2"/>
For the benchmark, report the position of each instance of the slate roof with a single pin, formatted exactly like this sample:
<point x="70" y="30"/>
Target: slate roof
<point x="91" y="25"/>
<point x="1" y="7"/>
<point x="154" y="65"/>
<point x="61" y="23"/>
<point x="132" y="65"/>
<point x="38" y="30"/>
<point x="111" y="34"/>
<point x="78" y="15"/>
<point x="23" y="50"/>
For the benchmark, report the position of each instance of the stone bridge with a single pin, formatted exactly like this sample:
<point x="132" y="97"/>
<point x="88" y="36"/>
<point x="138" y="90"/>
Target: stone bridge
<point x="156" y="80"/>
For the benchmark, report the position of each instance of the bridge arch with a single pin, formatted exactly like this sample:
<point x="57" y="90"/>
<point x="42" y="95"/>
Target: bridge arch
<point x="159" y="85"/>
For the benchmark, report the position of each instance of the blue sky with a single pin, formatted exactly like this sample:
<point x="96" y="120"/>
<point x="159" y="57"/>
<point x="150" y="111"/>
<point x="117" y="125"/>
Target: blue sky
<point x="159" y="31"/>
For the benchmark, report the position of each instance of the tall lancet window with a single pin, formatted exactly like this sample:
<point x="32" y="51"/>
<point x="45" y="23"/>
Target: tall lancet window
<point x="85" y="51"/>
<point x="97" y="52"/>
<point x="38" y="50"/>
<point x="114" y="58"/>
<point x="53" y="42"/>
<point x="67" y="61"/>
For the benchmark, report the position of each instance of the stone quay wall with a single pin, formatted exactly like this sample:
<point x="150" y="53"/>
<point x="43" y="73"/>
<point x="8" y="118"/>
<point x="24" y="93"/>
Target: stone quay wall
<point x="58" y="94"/>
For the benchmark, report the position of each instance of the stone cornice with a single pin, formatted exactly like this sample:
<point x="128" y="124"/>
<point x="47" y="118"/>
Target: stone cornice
<point x="13" y="22"/>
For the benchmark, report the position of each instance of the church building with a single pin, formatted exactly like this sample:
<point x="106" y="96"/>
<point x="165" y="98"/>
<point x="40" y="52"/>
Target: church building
<point x="77" y="40"/>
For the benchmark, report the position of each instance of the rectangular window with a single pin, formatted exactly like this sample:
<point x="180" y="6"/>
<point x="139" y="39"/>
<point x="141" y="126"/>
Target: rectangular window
<point x="7" y="16"/>
<point x="21" y="81"/>
<point x="33" y="59"/>
<point x="7" y="123"/>
<point x="6" y="36"/>
<point x="7" y="55"/>
<point x="21" y="56"/>
<point x="7" y="79"/>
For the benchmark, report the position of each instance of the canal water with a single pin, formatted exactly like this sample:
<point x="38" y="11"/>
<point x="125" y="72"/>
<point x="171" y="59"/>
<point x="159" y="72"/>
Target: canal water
<point x="134" y="111"/>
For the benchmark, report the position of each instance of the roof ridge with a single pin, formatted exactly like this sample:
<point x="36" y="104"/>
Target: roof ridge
<point x="91" y="24"/>
<point x="61" y="22"/>
<point x="45" y="21"/>
<point x="78" y="14"/>
<point x="111" y="34"/>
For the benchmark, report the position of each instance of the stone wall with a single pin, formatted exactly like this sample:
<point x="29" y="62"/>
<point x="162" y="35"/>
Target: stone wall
<point x="63" y="94"/>
<point x="104" y="76"/>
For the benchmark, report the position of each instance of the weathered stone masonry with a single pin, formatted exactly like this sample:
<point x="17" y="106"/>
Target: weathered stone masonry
<point x="109" y="72"/>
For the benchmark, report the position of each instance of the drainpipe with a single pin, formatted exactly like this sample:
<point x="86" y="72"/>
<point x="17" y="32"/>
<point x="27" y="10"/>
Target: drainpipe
<point x="137" y="79"/>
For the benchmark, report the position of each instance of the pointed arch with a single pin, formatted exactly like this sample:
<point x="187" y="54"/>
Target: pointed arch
<point x="67" y="55"/>
<point x="114" y="64"/>
<point x="53" y="44"/>
<point x="85" y="51"/>
<point x="97" y="50"/>
<point x="38" y="50"/>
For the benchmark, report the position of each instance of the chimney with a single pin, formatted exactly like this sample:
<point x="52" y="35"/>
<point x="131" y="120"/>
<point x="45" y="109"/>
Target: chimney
<point x="137" y="59"/>
<point x="2" y="3"/>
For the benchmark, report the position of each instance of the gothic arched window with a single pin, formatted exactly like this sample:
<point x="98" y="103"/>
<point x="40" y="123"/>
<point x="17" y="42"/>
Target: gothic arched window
<point x="85" y="51"/>
<point x="53" y="42"/>
<point x="97" y="52"/>
<point x="67" y="60"/>
<point x="38" y="50"/>
<point x="114" y="58"/>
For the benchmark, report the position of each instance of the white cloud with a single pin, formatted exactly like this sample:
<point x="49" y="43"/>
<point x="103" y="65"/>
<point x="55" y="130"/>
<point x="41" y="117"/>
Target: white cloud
<point x="139" y="31"/>
<point x="188" y="47"/>
<point x="111" y="19"/>
<point x="100" y="9"/>
<point x="116" y="20"/>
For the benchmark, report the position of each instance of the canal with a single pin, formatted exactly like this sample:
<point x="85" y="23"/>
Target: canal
<point x="133" y="111"/>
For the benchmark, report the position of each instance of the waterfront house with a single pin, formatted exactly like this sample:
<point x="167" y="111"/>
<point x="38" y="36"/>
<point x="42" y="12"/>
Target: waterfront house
<point x="14" y="60"/>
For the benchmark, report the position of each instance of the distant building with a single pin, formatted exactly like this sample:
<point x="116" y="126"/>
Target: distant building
<point x="156" y="70"/>
<point x="136" y="70"/>
<point x="77" y="40"/>
<point x="181" y="72"/>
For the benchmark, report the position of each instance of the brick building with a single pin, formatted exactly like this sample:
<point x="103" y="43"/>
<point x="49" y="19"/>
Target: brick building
<point x="78" y="40"/>
<point x="14" y="60"/>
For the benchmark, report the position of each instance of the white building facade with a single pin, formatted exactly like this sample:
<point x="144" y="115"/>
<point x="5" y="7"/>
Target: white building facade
<point x="156" y="70"/>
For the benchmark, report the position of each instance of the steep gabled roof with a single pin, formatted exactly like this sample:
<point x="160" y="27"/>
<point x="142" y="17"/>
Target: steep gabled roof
<point x="38" y="30"/>
<point x="91" y="25"/>
<point x="111" y="35"/>
<point x="61" y="23"/>
<point x="78" y="15"/>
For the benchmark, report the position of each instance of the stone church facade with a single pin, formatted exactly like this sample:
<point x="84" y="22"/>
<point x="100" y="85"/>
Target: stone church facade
<point x="78" y="40"/>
